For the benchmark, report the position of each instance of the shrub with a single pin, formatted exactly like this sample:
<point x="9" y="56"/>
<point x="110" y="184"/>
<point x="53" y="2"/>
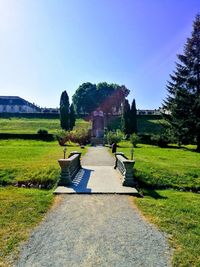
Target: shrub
<point x="114" y="137"/>
<point x="42" y="131"/>
<point x="80" y="136"/>
<point x="161" y="140"/>
<point x="134" y="139"/>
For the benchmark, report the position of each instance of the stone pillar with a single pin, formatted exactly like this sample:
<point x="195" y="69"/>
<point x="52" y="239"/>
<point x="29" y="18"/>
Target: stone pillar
<point x="65" y="178"/>
<point x="128" y="177"/>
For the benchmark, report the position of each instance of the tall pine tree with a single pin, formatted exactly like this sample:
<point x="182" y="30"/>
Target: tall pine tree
<point x="125" y="119"/>
<point x="72" y="117"/>
<point x="64" y="111"/>
<point x="133" y="118"/>
<point x="183" y="101"/>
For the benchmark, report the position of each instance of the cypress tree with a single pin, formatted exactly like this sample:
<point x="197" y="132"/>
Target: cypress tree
<point x="133" y="118"/>
<point x="125" y="119"/>
<point x="64" y="111"/>
<point x="183" y="101"/>
<point x="72" y="117"/>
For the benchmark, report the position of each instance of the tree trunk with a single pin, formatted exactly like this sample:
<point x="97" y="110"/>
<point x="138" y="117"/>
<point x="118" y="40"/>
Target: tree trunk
<point x="198" y="143"/>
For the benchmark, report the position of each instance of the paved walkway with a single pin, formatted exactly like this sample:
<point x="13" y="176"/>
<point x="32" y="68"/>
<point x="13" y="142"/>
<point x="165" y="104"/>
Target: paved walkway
<point x="97" y="176"/>
<point x="95" y="231"/>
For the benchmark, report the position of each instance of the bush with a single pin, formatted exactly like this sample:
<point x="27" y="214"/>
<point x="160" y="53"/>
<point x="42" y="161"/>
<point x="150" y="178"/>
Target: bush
<point x="80" y="136"/>
<point x="42" y="131"/>
<point x="134" y="139"/>
<point x="43" y="137"/>
<point x="161" y="140"/>
<point x="114" y="137"/>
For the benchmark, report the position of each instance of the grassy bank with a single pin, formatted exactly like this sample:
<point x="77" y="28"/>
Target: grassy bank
<point x="20" y="210"/>
<point x="32" y="125"/>
<point x="177" y="214"/>
<point x="146" y="125"/>
<point x="28" y="125"/>
<point x="165" y="167"/>
<point x="31" y="162"/>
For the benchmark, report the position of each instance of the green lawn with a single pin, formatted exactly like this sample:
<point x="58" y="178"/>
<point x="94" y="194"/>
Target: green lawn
<point x="30" y="161"/>
<point x="165" y="167"/>
<point x="20" y="210"/>
<point x="27" y="162"/>
<point x="145" y="124"/>
<point x="30" y="126"/>
<point x="178" y="215"/>
<point x="27" y="125"/>
<point x="149" y="126"/>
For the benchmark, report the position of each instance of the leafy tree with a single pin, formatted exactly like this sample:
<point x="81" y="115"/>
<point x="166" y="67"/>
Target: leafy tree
<point x="133" y="118"/>
<point x="183" y="101"/>
<point x="64" y="111"/>
<point x="72" y="117"/>
<point x="85" y="99"/>
<point x="106" y="96"/>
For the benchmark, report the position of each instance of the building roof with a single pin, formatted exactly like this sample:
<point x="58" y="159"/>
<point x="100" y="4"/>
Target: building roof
<point x="15" y="100"/>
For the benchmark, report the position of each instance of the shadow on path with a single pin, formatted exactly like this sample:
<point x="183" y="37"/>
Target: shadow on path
<point x="80" y="182"/>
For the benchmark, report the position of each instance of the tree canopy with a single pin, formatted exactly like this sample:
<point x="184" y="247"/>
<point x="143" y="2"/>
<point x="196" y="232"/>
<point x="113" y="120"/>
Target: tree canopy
<point x="108" y="97"/>
<point x="183" y="99"/>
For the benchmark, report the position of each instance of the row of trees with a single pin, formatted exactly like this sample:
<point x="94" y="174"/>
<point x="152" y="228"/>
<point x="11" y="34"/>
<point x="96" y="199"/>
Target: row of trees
<point x="183" y="101"/>
<point x="129" y="118"/>
<point x="67" y="113"/>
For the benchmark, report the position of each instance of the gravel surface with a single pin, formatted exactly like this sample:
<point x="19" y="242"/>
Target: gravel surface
<point x="98" y="156"/>
<point x="95" y="230"/>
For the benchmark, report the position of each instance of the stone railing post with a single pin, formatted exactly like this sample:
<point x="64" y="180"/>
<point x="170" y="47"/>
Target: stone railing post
<point x="65" y="178"/>
<point x="79" y="157"/>
<point x="116" y="154"/>
<point x="128" y="176"/>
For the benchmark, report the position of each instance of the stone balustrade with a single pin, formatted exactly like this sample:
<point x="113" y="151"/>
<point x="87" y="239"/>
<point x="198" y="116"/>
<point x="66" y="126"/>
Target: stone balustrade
<point x="69" y="168"/>
<point x="125" y="167"/>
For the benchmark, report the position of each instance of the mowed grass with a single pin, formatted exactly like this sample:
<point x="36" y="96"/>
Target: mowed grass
<point x="157" y="167"/>
<point x="178" y="215"/>
<point x="149" y="126"/>
<point x="20" y="210"/>
<point x="30" y="126"/>
<point x="31" y="162"/>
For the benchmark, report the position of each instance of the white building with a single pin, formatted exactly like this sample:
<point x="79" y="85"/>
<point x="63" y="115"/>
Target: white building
<point x="16" y="104"/>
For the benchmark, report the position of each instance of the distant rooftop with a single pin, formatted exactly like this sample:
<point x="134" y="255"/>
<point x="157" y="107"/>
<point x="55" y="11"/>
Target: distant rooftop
<point x="15" y="100"/>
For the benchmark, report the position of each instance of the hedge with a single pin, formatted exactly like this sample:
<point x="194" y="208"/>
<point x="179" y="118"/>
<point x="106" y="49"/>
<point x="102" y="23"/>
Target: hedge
<point x="44" y="137"/>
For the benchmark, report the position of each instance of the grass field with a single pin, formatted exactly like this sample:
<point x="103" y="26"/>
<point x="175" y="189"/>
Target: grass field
<point x="165" y="167"/>
<point x="174" y="212"/>
<point x="178" y="215"/>
<point x="30" y="126"/>
<point x="29" y="161"/>
<point x="20" y="210"/>
<point x="26" y="162"/>
<point x="146" y="125"/>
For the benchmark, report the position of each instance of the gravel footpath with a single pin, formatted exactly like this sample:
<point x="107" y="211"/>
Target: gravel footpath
<point x="97" y="156"/>
<point x="95" y="230"/>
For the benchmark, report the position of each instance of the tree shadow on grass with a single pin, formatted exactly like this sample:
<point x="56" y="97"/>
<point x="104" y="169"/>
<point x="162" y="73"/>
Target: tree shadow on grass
<point x="152" y="193"/>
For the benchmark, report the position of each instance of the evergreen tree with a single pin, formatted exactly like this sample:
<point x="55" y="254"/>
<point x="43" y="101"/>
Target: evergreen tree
<point x="133" y="118"/>
<point x="183" y="101"/>
<point x="64" y="111"/>
<point x="72" y="117"/>
<point x="125" y="119"/>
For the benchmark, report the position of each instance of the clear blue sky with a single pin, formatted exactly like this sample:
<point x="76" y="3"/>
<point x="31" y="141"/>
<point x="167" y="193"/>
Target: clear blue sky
<point x="48" y="46"/>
